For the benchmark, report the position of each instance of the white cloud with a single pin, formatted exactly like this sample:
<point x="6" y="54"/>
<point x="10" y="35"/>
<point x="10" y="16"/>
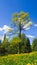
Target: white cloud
<point x="0" y="29"/>
<point x="30" y="36"/>
<point x="5" y="28"/>
<point x="35" y="25"/>
<point x="27" y="28"/>
<point x="27" y="25"/>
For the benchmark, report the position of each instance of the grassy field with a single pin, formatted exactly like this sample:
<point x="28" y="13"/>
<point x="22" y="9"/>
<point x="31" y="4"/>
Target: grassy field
<point x="19" y="59"/>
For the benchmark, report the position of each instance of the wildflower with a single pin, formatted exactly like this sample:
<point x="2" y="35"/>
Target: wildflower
<point x="28" y="64"/>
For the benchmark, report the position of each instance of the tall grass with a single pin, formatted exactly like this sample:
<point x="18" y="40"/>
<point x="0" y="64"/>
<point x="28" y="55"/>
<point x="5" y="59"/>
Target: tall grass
<point x="19" y="59"/>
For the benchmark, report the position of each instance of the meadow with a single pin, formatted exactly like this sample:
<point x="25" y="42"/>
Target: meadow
<point x="19" y="59"/>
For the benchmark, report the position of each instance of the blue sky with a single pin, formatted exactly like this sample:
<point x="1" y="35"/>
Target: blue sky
<point x="8" y="7"/>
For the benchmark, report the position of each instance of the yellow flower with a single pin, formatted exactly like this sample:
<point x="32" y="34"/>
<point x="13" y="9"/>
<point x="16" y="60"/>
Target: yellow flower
<point x="28" y="64"/>
<point x="32" y="64"/>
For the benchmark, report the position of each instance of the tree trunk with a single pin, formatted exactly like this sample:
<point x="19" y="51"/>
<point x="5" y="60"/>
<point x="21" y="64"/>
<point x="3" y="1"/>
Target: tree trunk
<point x="19" y="45"/>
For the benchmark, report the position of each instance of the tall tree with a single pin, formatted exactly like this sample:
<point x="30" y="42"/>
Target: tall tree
<point x="4" y="45"/>
<point x="27" y="46"/>
<point x="34" y="45"/>
<point x="20" y="22"/>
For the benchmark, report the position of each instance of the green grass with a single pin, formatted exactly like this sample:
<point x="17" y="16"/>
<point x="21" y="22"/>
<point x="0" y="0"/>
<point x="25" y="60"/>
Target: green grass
<point x="19" y="59"/>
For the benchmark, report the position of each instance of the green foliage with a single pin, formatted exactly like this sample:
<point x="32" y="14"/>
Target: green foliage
<point x="15" y="40"/>
<point x="13" y="47"/>
<point x="3" y="47"/>
<point x="21" y="15"/>
<point x="34" y="45"/>
<point x="27" y="46"/>
<point x="24" y="44"/>
<point x="14" y="44"/>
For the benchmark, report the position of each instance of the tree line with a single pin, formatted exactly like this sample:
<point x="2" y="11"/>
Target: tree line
<point x="12" y="46"/>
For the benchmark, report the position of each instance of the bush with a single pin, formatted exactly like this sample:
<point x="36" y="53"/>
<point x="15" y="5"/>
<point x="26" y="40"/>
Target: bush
<point x="34" y="45"/>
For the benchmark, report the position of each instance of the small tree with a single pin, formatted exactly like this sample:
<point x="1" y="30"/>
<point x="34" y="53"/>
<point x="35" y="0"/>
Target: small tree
<point x="4" y="45"/>
<point x="14" y="44"/>
<point x="34" y="45"/>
